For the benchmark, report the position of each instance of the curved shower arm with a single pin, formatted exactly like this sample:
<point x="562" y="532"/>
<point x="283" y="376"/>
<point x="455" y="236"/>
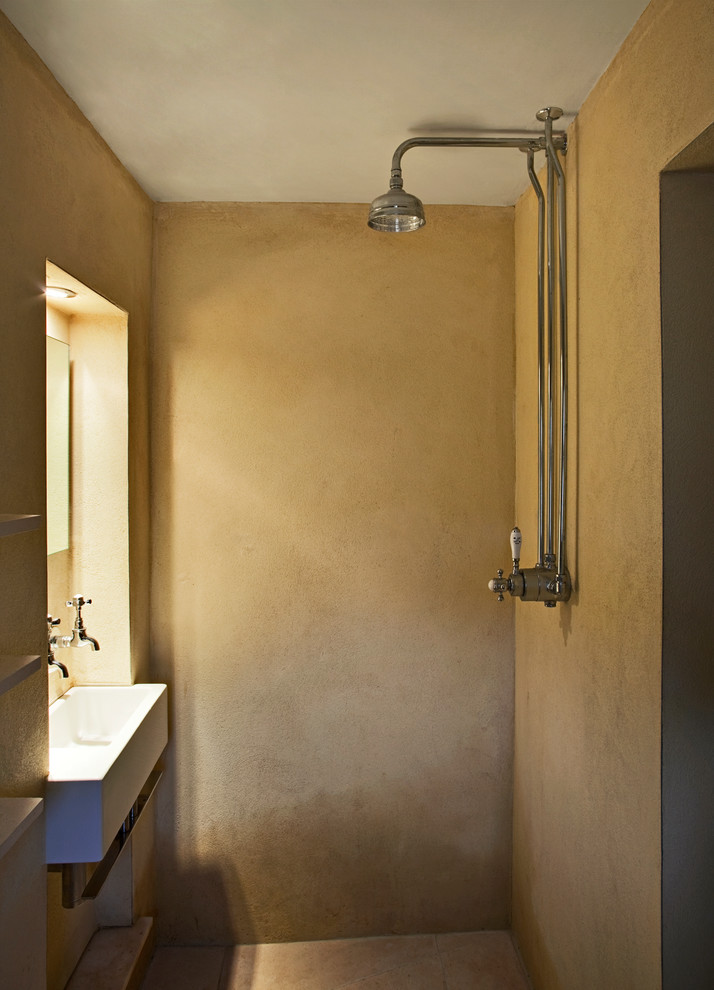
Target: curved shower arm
<point x="527" y="141"/>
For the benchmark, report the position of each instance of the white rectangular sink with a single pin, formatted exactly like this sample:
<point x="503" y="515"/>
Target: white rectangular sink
<point x="104" y="743"/>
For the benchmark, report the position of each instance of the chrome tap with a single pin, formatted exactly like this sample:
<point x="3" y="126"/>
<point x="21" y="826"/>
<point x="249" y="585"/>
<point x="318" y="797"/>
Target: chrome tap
<point x="79" y="636"/>
<point x="541" y="583"/>
<point x="52" y="642"/>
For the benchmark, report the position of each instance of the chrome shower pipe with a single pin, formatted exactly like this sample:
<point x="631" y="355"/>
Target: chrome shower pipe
<point x="550" y="345"/>
<point x="512" y="141"/>
<point x="549" y="581"/>
<point x="538" y="189"/>
<point x="563" y="315"/>
<point x="396" y="211"/>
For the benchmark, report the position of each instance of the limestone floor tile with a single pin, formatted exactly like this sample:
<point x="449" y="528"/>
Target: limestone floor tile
<point x="114" y="959"/>
<point x="481" y="961"/>
<point x="422" y="974"/>
<point x="324" y="965"/>
<point x="189" y="968"/>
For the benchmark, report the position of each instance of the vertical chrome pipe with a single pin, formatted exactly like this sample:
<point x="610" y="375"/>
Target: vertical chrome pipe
<point x="550" y="345"/>
<point x="562" y="274"/>
<point x="541" y="343"/>
<point x="549" y="581"/>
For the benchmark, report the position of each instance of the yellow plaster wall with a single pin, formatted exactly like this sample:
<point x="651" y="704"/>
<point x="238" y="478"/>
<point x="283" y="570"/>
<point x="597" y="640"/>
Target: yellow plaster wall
<point x="587" y="768"/>
<point x="63" y="195"/>
<point x="333" y="469"/>
<point x="66" y="197"/>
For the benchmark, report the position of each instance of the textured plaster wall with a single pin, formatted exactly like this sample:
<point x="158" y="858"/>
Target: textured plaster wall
<point x="333" y="471"/>
<point x="587" y="867"/>
<point x="66" y="197"/>
<point x="63" y="195"/>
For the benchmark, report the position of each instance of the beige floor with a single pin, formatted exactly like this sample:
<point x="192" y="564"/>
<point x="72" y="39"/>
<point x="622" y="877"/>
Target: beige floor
<point x="471" y="961"/>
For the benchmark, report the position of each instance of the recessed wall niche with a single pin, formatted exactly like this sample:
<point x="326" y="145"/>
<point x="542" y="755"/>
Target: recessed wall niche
<point x="96" y="562"/>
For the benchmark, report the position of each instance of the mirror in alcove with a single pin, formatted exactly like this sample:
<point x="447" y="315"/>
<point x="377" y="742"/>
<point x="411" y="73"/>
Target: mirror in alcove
<point x="87" y="476"/>
<point x="57" y="441"/>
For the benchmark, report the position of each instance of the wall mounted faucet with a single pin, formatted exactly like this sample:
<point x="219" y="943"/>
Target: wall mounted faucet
<point x="52" y="642"/>
<point x="79" y="636"/>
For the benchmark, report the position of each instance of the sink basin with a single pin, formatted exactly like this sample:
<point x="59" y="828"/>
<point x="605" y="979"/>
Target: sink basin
<point x="104" y="743"/>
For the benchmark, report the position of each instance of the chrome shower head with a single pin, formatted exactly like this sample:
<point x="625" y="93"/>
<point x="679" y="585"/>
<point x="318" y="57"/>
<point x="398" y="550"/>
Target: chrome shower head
<point x="396" y="211"/>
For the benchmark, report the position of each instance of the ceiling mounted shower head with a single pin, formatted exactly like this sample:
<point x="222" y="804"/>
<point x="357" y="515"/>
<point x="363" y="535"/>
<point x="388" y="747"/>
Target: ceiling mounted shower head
<point x="396" y="211"/>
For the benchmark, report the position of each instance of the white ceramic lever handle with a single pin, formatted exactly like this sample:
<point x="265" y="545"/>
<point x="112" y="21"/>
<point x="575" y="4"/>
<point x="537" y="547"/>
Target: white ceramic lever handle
<point x="516" y="543"/>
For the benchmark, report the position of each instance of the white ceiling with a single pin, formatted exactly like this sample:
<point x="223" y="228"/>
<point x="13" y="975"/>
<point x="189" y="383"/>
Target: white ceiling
<point x="305" y="100"/>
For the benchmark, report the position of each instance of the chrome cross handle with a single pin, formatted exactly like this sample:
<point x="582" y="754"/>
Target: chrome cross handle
<point x="78" y="601"/>
<point x="499" y="584"/>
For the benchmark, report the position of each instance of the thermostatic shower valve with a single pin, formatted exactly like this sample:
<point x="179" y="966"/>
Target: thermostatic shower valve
<point x="541" y="583"/>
